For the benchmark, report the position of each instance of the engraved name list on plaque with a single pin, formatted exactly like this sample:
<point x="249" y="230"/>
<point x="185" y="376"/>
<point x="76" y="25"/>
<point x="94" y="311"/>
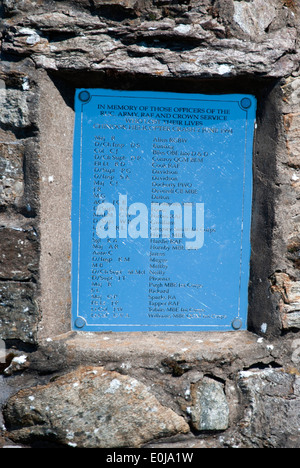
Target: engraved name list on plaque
<point x="161" y="211"/>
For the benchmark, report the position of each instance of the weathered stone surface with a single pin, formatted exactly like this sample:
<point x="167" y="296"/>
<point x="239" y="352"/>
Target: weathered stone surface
<point x="294" y="244"/>
<point x="159" y="47"/>
<point x="210" y="411"/>
<point x="18" y="254"/>
<point x="171" y="355"/>
<point x="291" y="320"/>
<point x="91" y="408"/>
<point x="273" y="416"/>
<point x="291" y="95"/>
<point x="255" y="17"/>
<point x="126" y="4"/>
<point x="14" y="110"/>
<point x="16" y="6"/>
<point x="19" y="315"/>
<point x="11" y="173"/>
<point x="289" y="291"/>
<point x="292" y="122"/>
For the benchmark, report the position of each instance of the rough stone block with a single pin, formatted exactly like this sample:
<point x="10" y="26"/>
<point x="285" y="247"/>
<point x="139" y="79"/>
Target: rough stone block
<point x="14" y="110"/>
<point x="210" y="411"/>
<point x="272" y="416"/>
<point x="18" y="254"/>
<point x="289" y="291"/>
<point x="15" y="6"/>
<point x="292" y="127"/>
<point x="18" y="312"/>
<point x="123" y="3"/>
<point x="91" y="408"/>
<point x="291" y="320"/>
<point x="287" y="287"/>
<point x="11" y="173"/>
<point x="26" y="41"/>
<point x="294" y="244"/>
<point x="254" y="17"/>
<point x="291" y="95"/>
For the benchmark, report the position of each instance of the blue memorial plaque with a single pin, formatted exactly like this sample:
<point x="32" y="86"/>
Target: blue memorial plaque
<point x="161" y="212"/>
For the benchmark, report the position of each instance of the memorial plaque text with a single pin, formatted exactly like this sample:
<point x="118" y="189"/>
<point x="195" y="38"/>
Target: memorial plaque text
<point x="161" y="211"/>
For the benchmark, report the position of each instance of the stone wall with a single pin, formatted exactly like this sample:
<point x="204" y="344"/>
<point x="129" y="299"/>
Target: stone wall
<point x="59" y="388"/>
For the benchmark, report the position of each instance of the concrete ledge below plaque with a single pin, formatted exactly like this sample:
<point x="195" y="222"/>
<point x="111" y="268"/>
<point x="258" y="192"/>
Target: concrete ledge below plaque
<point x="171" y="352"/>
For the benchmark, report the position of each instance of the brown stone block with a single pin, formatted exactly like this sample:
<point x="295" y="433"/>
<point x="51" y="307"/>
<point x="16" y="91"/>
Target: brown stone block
<point x="294" y="252"/>
<point x="18" y="254"/>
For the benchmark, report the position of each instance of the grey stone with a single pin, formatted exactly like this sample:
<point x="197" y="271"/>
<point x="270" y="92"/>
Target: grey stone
<point x="292" y="320"/>
<point x="14" y="110"/>
<point x="15" y="6"/>
<point x="291" y="91"/>
<point x="210" y="411"/>
<point x="272" y="416"/>
<point x="91" y="408"/>
<point x="11" y="173"/>
<point x="146" y="46"/>
<point x="292" y="122"/>
<point x="255" y="16"/>
<point x="19" y="314"/>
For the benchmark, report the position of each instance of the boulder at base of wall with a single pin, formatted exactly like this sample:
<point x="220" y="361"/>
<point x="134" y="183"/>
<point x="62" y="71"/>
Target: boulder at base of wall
<point x="91" y="408"/>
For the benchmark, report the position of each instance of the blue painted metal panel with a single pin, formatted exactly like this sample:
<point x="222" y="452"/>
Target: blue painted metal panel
<point x="134" y="151"/>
